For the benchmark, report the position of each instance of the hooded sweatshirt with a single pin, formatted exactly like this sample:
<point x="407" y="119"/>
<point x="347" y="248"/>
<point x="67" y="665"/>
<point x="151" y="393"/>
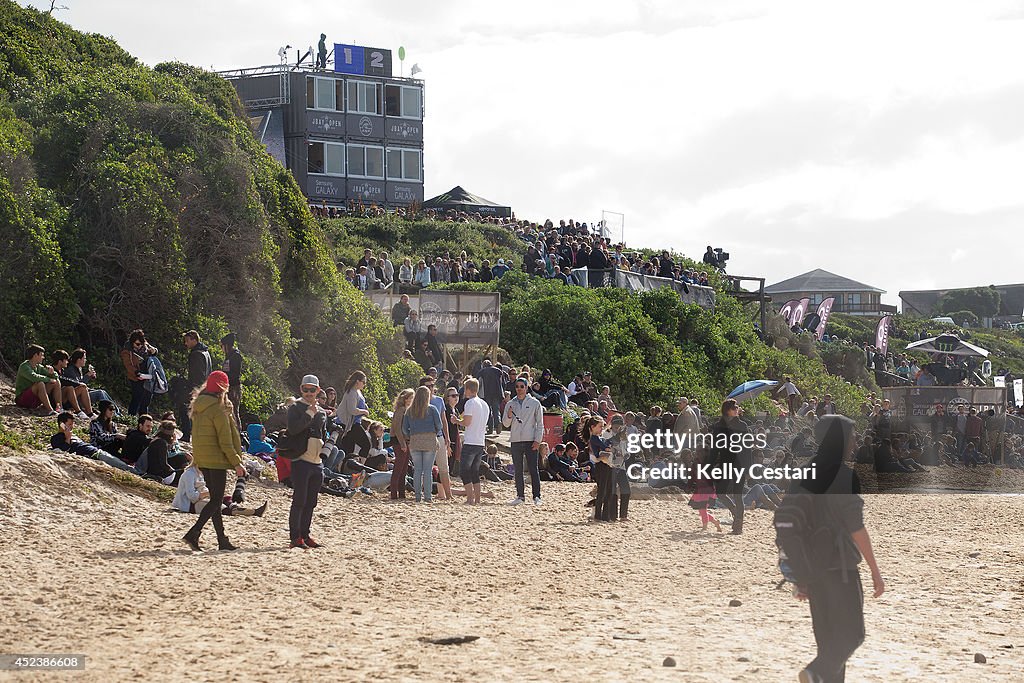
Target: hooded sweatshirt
<point x="200" y="365"/>
<point x="215" y="441"/>
<point x="257" y="444"/>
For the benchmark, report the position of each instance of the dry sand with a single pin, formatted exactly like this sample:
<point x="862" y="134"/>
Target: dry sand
<point x="93" y="568"/>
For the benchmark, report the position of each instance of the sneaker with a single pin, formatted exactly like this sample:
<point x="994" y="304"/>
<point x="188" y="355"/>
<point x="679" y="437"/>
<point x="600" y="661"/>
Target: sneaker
<point x="536" y="501"/>
<point x="82" y="416"/>
<point x="516" y="501"/>
<point x="808" y="676"/>
<point x="299" y="544"/>
<point x="310" y="543"/>
<point x="261" y="509"/>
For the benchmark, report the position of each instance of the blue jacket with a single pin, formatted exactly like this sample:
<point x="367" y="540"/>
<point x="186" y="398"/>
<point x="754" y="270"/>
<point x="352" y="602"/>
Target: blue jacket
<point x="430" y="422"/>
<point x="256" y="444"/>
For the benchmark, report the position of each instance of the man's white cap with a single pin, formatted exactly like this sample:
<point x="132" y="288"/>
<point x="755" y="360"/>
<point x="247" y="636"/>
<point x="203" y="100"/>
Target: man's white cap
<point x="310" y="380"/>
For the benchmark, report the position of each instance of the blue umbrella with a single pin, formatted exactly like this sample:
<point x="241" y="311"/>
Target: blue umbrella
<point x="751" y="388"/>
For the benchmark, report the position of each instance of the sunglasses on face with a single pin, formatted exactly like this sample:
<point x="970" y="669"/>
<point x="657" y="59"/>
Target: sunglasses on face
<point x="309" y="390"/>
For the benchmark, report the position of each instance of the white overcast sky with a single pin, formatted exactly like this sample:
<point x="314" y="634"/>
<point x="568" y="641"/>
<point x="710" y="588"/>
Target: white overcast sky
<point x="883" y="141"/>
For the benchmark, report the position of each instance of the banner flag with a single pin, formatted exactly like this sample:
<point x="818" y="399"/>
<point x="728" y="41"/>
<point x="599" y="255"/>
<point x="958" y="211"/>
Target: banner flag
<point x="824" y="309"/>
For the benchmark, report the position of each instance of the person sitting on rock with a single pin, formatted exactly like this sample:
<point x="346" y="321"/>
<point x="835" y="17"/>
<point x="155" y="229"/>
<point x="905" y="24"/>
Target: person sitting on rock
<point x="37" y="386"/>
<point x="74" y="392"/>
<point x="103" y="430"/>
<point x="66" y="440"/>
<point x="137" y="440"/>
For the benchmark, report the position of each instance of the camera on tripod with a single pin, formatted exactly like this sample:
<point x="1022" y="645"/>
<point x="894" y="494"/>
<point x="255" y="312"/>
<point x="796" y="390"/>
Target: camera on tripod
<point x="722" y="256"/>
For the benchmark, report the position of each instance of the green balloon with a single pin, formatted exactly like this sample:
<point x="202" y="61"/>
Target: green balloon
<point x="401" y="53"/>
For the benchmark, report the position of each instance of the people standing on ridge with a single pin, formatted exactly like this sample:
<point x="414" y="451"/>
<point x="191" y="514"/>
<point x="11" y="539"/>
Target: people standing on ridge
<point x="321" y="52"/>
<point x="525" y="417"/>
<point x="216" y="448"/>
<point x="200" y="365"/>
<point x="232" y="367"/>
<point x="133" y="357"/>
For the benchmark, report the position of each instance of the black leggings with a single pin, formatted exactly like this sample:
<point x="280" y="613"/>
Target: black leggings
<point x="355" y="436"/>
<point x="216" y="481"/>
<point x="837" y="613"/>
<point x="604" y="474"/>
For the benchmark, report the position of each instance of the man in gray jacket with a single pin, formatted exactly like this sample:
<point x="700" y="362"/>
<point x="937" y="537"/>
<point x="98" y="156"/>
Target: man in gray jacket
<point x="525" y="417"/>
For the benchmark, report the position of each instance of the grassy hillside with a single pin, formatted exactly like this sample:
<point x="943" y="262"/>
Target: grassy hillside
<point x="136" y="197"/>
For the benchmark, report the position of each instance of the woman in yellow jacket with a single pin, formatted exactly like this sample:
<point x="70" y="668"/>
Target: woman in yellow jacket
<point x="216" y="448"/>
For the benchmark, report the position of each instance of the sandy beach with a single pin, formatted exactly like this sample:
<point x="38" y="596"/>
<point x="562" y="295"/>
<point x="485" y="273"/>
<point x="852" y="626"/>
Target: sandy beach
<point x="98" y="570"/>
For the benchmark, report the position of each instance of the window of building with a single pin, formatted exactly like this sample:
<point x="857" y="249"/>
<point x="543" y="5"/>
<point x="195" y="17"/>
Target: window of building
<point x="325" y="93"/>
<point x="404" y="101"/>
<point x="853" y="298"/>
<point x="365" y="162"/>
<point x="404" y="164"/>
<point x="364" y="97"/>
<point x="325" y="158"/>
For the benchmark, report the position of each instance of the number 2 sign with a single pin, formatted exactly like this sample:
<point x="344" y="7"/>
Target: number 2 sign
<point x="362" y="61"/>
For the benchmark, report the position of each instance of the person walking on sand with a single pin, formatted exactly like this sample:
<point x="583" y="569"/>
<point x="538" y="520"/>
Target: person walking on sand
<point x="525" y="417"/>
<point x="730" y="429"/>
<point x="400" y="444"/>
<point x="422" y="427"/>
<point x="216" y="448"/>
<point x="474" y="419"/>
<point x="307" y="428"/>
<point x="703" y="496"/>
<point x="834" y="592"/>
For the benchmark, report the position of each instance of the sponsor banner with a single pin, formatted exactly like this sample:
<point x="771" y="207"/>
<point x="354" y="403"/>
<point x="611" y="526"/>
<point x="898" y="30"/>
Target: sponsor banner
<point x="364" y="126"/>
<point x="369" y="191"/>
<point x="403" y="130"/>
<point x="918" y="404"/>
<point x="689" y="293"/>
<point x="553" y="428"/>
<point x="882" y="335"/>
<point x="799" y="311"/>
<point x="1018" y="392"/>
<point x="328" y="123"/>
<point x="404" y="193"/>
<point x="462" y="317"/>
<point x="787" y="311"/>
<point x="325" y="187"/>
<point x="824" y="310"/>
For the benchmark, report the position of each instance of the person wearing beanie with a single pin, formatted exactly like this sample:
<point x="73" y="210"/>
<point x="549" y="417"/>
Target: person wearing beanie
<point x="216" y="448"/>
<point x="307" y="423"/>
<point x="232" y="367"/>
<point x="835" y="594"/>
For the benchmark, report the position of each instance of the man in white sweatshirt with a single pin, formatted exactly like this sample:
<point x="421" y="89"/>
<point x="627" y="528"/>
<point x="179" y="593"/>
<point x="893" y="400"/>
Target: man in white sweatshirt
<point x="525" y="417"/>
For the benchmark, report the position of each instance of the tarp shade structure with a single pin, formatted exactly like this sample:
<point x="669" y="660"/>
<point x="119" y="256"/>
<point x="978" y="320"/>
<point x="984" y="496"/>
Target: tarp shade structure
<point x="949" y="345"/>
<point x="460" y="200"/>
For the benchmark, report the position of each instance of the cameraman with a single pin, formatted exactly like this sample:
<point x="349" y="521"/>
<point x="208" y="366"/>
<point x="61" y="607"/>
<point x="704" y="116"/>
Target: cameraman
<point x="306" y="419"/>
<point x="710" y="258"/>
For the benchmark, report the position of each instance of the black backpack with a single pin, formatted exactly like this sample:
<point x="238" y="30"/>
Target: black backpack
<point x="292" y="446"/>
<point x="809" y="539"/>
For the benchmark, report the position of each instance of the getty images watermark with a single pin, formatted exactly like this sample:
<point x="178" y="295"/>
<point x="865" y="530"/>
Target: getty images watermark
<point x="734" y="443"/>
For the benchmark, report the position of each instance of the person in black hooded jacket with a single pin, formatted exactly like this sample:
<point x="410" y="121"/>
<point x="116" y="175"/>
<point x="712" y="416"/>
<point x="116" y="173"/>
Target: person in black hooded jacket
<point x="200" y="365"/>
<point x="835" y="594"/>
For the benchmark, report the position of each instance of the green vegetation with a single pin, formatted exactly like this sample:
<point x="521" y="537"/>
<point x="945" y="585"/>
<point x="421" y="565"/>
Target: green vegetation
<point x="139" y="197"/>
<point x="650" y="348"/>
<point x="982" y="302"/>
